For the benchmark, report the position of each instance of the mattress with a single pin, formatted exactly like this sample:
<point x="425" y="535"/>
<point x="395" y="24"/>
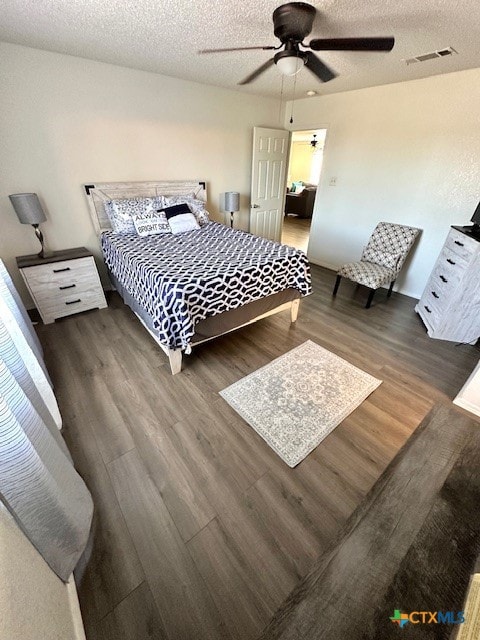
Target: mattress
<point x="177" y="281"/>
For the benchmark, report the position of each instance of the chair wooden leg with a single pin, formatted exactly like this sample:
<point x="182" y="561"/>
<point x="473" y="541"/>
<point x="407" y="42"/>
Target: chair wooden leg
<point x="337" y="283"/>
<point x="390" y="289"/>
<point x="370" y="298"/>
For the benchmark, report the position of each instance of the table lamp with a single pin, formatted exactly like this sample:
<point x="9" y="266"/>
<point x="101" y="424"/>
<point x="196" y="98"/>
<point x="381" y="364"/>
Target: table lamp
<point x="232" y="203"/>
<point x="29" y="211"/>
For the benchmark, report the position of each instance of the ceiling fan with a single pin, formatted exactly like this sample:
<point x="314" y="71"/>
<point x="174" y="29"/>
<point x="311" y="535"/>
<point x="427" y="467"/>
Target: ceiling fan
<point x="292" y="22"/>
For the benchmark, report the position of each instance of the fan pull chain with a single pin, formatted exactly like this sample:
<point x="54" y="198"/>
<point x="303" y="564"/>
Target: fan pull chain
<point x="281" y="102"/>
<point x="293" y="101"/>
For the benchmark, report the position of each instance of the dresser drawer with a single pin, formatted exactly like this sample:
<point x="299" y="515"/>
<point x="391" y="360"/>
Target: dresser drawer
<point x="432" y="305"/>
<point x="450" y="303"/>
<point x="431" y="316"/>
<point x="446" y="276"/>
<point x="450" y="264"/>
<point x="461" y="245"/>
<point x="444" y="281"/>
<point x="58" y="276"/>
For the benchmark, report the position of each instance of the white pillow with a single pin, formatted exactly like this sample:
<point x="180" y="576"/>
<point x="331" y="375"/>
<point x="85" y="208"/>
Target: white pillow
<point x="180" y="218"/>
<point x="150" y="224"/>
<point x="197" y="207"/>
<point x="183" y="222"/>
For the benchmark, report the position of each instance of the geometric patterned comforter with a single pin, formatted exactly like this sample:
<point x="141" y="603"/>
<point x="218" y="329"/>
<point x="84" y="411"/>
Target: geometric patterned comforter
<point x="181" y="279"/>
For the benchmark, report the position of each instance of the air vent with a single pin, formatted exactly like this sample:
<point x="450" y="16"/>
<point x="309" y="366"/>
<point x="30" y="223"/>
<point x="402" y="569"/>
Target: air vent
<point x="440" y="53"/>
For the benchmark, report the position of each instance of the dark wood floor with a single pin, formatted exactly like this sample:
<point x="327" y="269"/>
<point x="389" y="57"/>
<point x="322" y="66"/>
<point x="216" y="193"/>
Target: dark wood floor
<point x="200" y="530"/>
<point x="417" y="535"/>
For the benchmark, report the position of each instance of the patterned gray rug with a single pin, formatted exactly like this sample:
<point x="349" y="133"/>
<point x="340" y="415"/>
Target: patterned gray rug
<point x="296" y="400"/>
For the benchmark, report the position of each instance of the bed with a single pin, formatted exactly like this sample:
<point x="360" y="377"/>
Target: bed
<point x="191" y="287"/>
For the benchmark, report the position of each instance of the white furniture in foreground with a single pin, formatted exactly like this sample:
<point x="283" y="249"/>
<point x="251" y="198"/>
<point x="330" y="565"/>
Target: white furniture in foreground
<point x="450" y="304"/>
<point x="63" y="284"/>
<point x="469" y="396"/>
<point x="34" y="602"/>
<point x="41" y="494"/>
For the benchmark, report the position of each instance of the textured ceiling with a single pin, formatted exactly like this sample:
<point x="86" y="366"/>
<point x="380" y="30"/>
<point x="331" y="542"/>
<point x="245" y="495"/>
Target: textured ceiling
<point x="164" y="36"/>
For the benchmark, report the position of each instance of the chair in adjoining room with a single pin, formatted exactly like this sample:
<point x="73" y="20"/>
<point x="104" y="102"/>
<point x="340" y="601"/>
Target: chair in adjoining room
<point x="382" y="258"/>
<point x="301" y="204"/>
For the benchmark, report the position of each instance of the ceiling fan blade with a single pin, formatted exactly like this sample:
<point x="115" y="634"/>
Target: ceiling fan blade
<point x="352" y="44"/>
<point x="317" y="67"/>
<point x="268" y="48"/>
<point x="266" y="65"/>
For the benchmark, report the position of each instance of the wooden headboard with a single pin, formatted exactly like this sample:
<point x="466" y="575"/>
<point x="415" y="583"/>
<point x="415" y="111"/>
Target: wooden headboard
<point x="97" y="193"/>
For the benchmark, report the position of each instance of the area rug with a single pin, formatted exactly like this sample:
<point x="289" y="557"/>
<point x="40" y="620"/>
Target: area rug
<point x="296" y="400"/>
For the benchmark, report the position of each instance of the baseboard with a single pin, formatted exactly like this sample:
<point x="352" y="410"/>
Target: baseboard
<point x="77" y="622"/>
<point x="326" y="265"/>
<point x="469" y="396"/>
<point x="334" y="267"/>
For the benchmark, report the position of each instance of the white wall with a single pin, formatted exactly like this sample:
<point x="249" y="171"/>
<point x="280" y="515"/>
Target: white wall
<point x="299" y="166"/>
<point x="66" y="121"/>
<point x="407" y="153"/>
<point x="34" y="602"/>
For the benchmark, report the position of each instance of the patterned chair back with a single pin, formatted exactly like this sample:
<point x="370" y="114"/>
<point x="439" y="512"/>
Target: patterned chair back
<point x="389" y="245"/>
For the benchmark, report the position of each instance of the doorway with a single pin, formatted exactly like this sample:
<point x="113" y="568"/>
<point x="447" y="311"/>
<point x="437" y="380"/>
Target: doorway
<point x="303" y="175"/>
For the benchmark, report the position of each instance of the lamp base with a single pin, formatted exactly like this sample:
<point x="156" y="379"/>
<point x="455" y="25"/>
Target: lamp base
<point x="43" y="253"/>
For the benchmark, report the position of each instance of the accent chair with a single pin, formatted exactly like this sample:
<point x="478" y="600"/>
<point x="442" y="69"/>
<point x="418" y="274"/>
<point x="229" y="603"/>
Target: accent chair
<point x="382" y="259"/>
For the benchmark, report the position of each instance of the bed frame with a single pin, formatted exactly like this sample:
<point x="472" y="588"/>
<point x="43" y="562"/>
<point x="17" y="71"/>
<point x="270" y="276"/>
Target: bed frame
<point x="99" y="192"/>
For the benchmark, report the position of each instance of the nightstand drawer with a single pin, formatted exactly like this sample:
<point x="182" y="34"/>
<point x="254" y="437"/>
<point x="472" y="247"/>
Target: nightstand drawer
<point x="58" y="275"/>
<point x="56" y="307"/>
<point x="45" y="295"/>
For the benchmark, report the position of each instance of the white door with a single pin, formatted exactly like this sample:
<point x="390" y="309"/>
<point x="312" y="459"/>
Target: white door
<point x="269" y="164"/>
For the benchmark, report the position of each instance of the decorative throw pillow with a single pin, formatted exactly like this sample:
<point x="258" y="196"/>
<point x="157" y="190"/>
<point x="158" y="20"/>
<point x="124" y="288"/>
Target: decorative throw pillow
<point x="120" y="212"/>
<point x="150" y="224"/>
<point x="197" y="207"/>
<point x="180" y="218"/>
<point x="383" y="258"/>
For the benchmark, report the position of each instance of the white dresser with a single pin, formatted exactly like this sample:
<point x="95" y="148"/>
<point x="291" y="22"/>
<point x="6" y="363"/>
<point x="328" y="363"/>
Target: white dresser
<point x="450" y="304"/>
<point x="63" y="284"/>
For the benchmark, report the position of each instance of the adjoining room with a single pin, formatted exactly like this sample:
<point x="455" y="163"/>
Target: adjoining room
<point x="303" y="177"/>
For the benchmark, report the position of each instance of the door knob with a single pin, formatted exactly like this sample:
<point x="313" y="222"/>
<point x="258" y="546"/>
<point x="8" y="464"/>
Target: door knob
<point x="254" y="206"/>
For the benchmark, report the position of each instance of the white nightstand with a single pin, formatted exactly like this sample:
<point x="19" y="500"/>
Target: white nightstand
<point x="63" y="284"/>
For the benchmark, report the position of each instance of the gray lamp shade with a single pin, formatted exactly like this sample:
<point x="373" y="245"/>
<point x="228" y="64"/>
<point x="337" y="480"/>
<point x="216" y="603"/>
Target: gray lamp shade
<point x="28" y="208"/>
<point x="232" y="201"/>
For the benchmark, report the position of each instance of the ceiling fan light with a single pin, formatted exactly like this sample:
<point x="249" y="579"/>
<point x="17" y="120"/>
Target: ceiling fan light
<point x="290" y="65"/>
